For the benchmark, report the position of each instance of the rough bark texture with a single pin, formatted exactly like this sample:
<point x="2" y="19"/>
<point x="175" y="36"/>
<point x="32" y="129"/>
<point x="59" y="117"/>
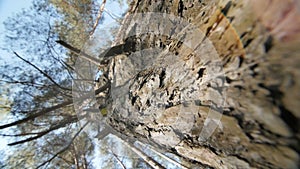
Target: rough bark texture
<point x="253" y="82"/>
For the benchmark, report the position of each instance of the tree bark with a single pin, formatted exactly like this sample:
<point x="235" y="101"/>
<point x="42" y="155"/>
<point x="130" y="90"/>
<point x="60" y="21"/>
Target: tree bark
<point x="231" y="100"/>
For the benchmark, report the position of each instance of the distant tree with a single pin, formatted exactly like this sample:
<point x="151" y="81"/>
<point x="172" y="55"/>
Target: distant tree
<point x="5" y="101"/>
<point x="40" y="80"/>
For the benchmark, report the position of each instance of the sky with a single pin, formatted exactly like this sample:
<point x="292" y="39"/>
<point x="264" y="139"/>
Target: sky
<point x="8" y="8"/>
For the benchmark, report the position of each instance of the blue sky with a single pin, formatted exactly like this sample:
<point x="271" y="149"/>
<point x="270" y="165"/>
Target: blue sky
<point x="10" y="7"/>
<point x="7" y="9"/>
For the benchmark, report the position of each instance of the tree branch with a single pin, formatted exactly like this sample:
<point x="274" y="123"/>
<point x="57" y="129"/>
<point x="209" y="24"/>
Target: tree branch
<point x="18" y="135"/>
<point x="50" y="109"/>
<point x="150" y="161"/>
<point x="42" y="72"/>
<point x="118" y="159"/>
<point x="33" y="116"/>
<point x="101" y="9"/>
<point x="113" y="16"/>
<point x="58" y="126"/>
<point x="79" y="52"/>
<point x="65" y="148"/>
<point x="12" y="81"/>
<point x="162" y="155"/>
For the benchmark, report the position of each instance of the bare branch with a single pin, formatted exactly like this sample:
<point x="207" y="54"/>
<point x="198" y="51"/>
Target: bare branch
<point x="65" y="148"/>
<point x="50" y="109"/>
<point x="118" y="160"/>
<point x="113" y="16"/>
<point x="101" y="9"/>
<point x="42" y="72"/>
<point x="58" y="126"/>
<point x="60" y="157"/>
<point x="79" y="52"/>
<point x="33" y="116"/>
<point x="18" y="135"/>
<point x="163" y="156"/>
<point x="63" y="63"/>
<point x="103" y="88"/>
<point x="12" y="81"/>
<point x="150" y="161"/>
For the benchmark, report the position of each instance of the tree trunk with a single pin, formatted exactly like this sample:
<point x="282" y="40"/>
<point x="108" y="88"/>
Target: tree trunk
<point x="217" y="82"/>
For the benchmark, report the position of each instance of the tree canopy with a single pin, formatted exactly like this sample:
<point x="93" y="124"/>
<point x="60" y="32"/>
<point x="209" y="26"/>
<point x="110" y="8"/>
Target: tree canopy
<point x="44" y="124"/>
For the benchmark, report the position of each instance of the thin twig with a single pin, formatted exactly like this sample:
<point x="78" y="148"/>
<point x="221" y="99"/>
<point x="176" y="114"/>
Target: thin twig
<point x="118" y="160"/>
<point x="50" y="109"/>
<point x="55" y="127"/>
<point x="65" y="148"/>
<point x="150" y="161"/>
<point x="162" y="155"/>
<point x="101" y="9"/>
<point x="42" y="72"/>
<point x="33" y="116"/>
<point x="113" y="16"/>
